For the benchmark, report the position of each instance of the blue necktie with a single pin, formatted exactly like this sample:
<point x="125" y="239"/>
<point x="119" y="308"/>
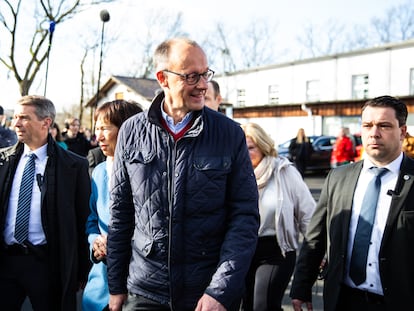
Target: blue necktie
<point x="21" y="231"/>
<point x="357" y="269"/>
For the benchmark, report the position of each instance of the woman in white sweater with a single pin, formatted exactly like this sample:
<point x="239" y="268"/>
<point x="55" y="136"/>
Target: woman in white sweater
<point x="286" y="206"/>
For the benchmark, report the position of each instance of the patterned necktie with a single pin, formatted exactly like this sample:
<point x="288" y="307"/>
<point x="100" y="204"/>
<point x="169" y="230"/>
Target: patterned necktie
<point x="21" y="231"/>
<point x="357" y="270"/>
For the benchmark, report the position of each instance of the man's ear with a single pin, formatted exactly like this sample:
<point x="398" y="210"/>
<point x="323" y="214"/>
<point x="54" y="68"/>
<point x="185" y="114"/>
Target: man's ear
<point x="47" y="122"/>
<point x="162" y="79"/>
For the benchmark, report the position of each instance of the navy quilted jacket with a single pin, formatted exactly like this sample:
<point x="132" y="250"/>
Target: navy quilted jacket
<point x="189" y="206"/>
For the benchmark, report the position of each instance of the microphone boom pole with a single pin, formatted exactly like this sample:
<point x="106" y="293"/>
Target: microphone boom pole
<point x="52" y="25"/>
<point x="104" y="18"/>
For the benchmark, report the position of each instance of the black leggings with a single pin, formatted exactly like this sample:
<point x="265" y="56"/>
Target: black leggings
<point x="268" y="277"/>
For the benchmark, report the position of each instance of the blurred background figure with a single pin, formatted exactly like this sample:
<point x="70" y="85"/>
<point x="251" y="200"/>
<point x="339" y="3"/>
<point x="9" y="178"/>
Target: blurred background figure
<point x="7" y="136"/>
<point x="408" y="145"/>
<point x="347" y="132"/>
<point x="57" y="136"/>
<point x="74" y="139"/>
<point x="108" y="119"/>
<point x="300" y="150"/>
<point x="212" y="97"/>
<point x="285" y="206"/>
<point x="343" y="151"/>
<point x="90" y="137"/>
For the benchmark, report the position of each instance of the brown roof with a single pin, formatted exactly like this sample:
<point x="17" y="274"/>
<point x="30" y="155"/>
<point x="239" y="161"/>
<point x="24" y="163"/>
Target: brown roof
<point x="142" y="86"/>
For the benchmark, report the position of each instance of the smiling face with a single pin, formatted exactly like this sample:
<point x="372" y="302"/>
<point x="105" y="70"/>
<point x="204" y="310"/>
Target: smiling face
<point x="106" y="135"/>
<point x="381" y="134"/>
<point x="180" y="97"/>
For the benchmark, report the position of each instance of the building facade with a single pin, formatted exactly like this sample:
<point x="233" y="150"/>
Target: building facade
<point x="320" y="94"/>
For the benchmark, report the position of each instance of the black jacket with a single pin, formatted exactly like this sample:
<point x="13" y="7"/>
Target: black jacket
<point x="65" y="207"/>
<point x="328" y="231"/>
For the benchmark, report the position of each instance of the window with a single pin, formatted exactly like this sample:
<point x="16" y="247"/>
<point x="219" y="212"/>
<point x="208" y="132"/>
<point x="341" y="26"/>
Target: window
<point x="241" y="97"/>
<point x="360" y="86"/>
<point x="119" y="95"/>
<point x="412" y="81"/>
<point x="273" y="94"/>
<point x="312" y="91"/>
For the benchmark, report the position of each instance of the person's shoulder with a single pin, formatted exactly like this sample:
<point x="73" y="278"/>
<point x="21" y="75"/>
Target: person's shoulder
<point x="219" y="119"/>
<point x="99" y="171"/>
<point x="68" y="156"/>
<point x="6" y="152"/>
<point x="96" y="151"/>
<point x="134" y="120"/>
<point x="346" y="170"/>
<point x="7" y="137"/>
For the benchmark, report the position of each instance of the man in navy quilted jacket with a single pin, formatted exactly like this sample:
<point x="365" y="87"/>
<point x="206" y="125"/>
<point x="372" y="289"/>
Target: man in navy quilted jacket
<point x="184" y="216"/>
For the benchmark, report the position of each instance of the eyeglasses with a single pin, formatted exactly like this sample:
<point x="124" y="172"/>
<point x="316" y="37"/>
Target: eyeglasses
<point x="193" y="78"/>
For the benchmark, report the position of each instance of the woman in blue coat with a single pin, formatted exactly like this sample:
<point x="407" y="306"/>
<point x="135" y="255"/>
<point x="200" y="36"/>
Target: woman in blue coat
<point x="108" y="119"/>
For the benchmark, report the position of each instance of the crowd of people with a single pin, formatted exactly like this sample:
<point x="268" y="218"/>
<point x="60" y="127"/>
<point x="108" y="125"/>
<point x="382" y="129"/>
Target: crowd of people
<point x="181" y="208"/>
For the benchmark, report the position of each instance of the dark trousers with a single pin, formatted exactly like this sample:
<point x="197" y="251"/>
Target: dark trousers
<point x="24" y="276"/>
<point x="358" y="300"/>
<point x="268" y="276"/>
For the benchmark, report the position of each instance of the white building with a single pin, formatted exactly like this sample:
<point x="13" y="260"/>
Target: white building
<point x="323" y="82"/>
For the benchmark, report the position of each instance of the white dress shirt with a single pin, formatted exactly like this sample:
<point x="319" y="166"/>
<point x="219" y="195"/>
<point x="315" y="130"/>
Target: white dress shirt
<point x="388" y="182"/>
<point x="36" y="233"/>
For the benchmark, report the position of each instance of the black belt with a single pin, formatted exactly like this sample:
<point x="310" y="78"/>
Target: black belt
<point x="366" y="296"/>
<point x="25" y="250"/>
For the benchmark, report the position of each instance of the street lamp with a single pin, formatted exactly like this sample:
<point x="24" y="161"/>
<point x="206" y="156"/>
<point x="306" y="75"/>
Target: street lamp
<point x="52" y="25"/>
<point x="104" y="18"/>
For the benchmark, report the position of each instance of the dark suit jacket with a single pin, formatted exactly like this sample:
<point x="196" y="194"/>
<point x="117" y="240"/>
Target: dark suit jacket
<point x="95" y="156"/>
<point x="328" y="231"/>
<point x="65" y="196"/>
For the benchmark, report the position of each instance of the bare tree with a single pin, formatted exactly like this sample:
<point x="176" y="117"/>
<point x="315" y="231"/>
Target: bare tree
<point x="358" y="38"/>
<point x="324" y="39"/>
<point x="258" y="44"/>
<point x="396" y="25"/>
<point x="159" y="25"/>
<point x="38" y="47"/>
<point x="217" y="46"/>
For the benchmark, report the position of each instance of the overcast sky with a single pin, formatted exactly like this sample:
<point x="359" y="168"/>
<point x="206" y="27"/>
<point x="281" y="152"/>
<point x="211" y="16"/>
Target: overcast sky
<point x="290" y="15"/>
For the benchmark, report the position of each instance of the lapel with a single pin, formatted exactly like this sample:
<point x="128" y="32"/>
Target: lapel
<point x="403" y="187"/>
<point x="348" y="185"/>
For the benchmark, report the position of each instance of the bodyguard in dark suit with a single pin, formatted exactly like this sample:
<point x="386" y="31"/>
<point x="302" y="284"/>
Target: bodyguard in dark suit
<point x="386" y="281"/>
<point x="50" y="262"/>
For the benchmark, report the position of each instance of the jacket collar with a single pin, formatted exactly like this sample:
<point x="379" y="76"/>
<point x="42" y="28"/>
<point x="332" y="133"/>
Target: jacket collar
<point x="154" y="115"/>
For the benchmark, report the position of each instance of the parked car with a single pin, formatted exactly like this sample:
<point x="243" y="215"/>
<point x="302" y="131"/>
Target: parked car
<point x="320" y="158"/>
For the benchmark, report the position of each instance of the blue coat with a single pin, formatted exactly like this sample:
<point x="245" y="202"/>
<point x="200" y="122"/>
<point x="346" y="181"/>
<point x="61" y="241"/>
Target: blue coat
<point x="189" y="206"/>
<point x="96" y="293"/>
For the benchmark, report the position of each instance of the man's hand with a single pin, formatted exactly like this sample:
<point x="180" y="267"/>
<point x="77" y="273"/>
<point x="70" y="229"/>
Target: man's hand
<point x="116" y="302"/>
<point x="208" y="303"/>
<point x="297" y="305"/>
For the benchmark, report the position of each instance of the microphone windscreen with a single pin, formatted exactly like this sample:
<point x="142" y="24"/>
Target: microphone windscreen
<point x="104" y="16"/>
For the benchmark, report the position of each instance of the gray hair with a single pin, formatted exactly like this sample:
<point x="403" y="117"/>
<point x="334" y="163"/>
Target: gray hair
<point x="44" y="107"/>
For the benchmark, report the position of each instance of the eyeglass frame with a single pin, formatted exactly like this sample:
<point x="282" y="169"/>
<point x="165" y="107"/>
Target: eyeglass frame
<point x="199" y="75"/>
